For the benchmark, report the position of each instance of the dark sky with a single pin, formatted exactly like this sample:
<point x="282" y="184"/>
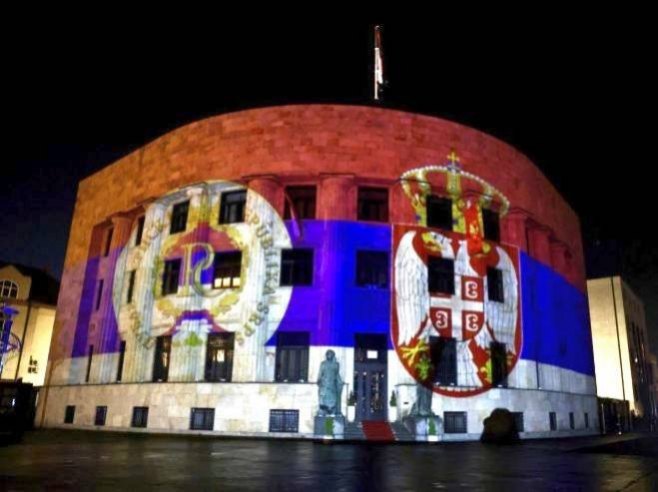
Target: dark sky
<point x="577" y="96"/>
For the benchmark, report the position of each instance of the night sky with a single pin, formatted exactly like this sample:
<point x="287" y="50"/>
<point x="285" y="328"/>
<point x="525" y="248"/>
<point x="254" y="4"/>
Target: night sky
<point x="575" y="96"/>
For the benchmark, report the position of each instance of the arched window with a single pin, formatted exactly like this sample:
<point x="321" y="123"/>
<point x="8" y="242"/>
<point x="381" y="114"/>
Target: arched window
<point x="8" y="289"/>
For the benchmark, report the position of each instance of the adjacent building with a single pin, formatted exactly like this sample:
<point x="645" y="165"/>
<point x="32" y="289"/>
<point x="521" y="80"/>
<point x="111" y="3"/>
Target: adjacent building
<point x="622" y="357"/>
<point x="31" y="296"/>
<point x="210" y="273"/>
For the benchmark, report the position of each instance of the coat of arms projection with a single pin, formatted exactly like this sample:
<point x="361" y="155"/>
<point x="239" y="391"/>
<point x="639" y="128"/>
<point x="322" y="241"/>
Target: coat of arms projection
<point x="456" y="325"/>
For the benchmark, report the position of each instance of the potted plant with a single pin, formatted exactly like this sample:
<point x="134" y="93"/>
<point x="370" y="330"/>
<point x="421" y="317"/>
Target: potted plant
<point x="328" y="428"/>
<point x="351" y="411"/>
<point x="431" y="430"/>
<point x="393" y="402"/>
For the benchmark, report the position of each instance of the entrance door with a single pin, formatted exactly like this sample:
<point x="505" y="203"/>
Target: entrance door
<point x="370" y="369"/>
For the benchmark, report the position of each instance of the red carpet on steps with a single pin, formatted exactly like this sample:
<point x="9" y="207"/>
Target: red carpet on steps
<point x="376" y="430"/>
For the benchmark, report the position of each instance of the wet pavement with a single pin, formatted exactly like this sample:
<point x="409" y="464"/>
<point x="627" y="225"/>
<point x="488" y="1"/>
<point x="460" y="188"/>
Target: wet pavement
<point x="56" y="459"/>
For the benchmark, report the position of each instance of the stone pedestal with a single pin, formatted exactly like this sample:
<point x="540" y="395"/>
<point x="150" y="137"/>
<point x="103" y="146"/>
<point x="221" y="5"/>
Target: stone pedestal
<point x="428" y="428"/>
<point x="329" y="426"/>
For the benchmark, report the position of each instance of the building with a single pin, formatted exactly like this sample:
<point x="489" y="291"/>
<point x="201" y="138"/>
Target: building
<point x="32" y="295"/>
<point x="208" y="274"/>
<point x="622" y="356"/>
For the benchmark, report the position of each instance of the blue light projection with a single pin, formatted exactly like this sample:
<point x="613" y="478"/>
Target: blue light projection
<point x="555" y="317"/>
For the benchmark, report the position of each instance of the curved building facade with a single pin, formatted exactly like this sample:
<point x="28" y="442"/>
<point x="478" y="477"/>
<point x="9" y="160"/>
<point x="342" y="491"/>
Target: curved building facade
<point x="209" y="273"/>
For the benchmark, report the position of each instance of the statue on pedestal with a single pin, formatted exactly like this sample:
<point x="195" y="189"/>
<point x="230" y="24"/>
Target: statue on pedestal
<point x="330" y="385"/>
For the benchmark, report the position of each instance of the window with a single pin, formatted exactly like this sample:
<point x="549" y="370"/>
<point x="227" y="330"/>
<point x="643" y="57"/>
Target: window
<point x="8" y="289"/>
<point x="439" y="212"/>
<point x="101" y="414"/>
<point x="296" y="266"/>
<point x="572" y="421"/>
<point x="90" y="355"/>
<point x="518" y="421"/>
<point x="140" y="417"/>
<point x="284" y="420"/>
<point x="179" y="217"/>
<point x="586" y="420"/>
<point x="227" y="269"/>
<point x="454" y="422"/>
<point x="441" y="275"/>
<point x="443" y="354"/>
<point x="300" y="202"/>
<point x="372" y="269"/>
<point x="131" y="287"/>
<point x="498" y="364"/>
<point x="373" y="204"/>
<point x="491" y="224"/>
<point x="292" y="356"/>
<point x="202" y="419"/>
<point x="170" y="277"/>
<point x="122" y="355"/>
<point x="108" y="241"/>
<point x="219" y="356"/>
<point x="162" y="358"/>
<point x="69" y="414"/>
<point x="99" y="294"/>
<point x="232" y="206"/>
<point x="495" y="285"/>
<point x="140" y="230"/>
<point x="552" y="418"/>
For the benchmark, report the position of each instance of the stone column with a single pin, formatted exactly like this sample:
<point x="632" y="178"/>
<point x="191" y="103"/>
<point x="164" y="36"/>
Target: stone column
<point x="337" y="197"/>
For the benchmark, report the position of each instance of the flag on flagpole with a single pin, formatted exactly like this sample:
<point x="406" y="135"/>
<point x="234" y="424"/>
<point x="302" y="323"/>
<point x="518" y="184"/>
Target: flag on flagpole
<point x="379" y="64"/>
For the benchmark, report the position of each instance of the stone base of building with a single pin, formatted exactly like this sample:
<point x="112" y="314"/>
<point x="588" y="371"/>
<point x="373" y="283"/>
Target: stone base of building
<point x="276" y="410"/>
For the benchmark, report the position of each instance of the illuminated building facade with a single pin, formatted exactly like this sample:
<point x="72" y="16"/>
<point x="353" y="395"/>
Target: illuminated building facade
<point x="208" y="273"/>
<point x="622" y="357"/>
<point x="31" y="295"/>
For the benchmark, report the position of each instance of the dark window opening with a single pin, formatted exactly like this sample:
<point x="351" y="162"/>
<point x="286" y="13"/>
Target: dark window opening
<point x="108" y="241"/>
<point x="99" y="294"/>
<point x="162" y="358"/>
<point x="179" y="217"/>
<point x="219" y="356"/>
<point x="373" y="204"/>
<point x="498" y="364"/>
<point x="202" y="419"/>
<point x="302" y="199"/>
<point x="495" y="287"/>
<point x="227" y="269"/>
<point x="170" y="277"/>
<point x="572" y="421"/>
<point x="131" y="287"/>
<point x="439" y="212"/>
<point x="292" y="356"/>
<point x="101" y="414"/>
<point x="454" y="422"/>
<point x="491" y="223"/>
<point x="370" y="347"/>
<point x="443" y="354"/>
<point x="140" y="230"/>
<point x="122" y="355"/>
<point x="552" y="418"/>
<point x="90" y="355"/>
<point x="140" y="417"/>
<point x="586" y="420"/>
<point x="69" y="414"/>
<point x="372" y="269"/>
<point x="296" y="267"/>
<point x="284" y="420"/>
<point x="441" y="275"/>
<point x="518" y="421"/>
<point x="232" y="207"/>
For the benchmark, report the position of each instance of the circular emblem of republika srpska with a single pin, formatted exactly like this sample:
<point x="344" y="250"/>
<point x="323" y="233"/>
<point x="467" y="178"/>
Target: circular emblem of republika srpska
<point x="219" y="274"/>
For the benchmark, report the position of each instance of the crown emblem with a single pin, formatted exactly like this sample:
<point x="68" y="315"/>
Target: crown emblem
<point x="450" y="180"/>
